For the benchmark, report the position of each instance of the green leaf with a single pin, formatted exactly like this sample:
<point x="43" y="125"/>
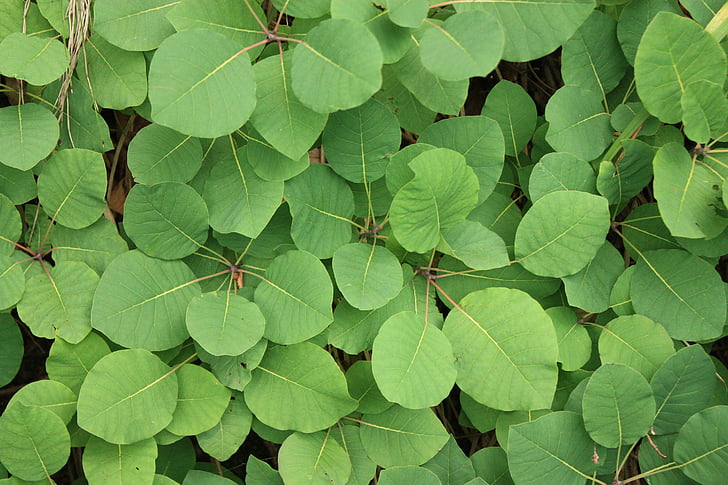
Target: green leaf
<point x="299" y="387"/>
<point x="687" y="194"/>
<point x="313" y="459"/>
<point x="158" y="154"/>
<point x="514" y="110"/>
<point x="225" y="438"/>
<point x="491" y="467"/>
<point x="562" y="232"/>
<point x="234" y="371"/>
<point x="649" y="459"/>
<point x="34" y="442"/>
<point x="16" y="185"/>
<point x="622" y="181"/>
<point x="96" y="245"/>
<point x="29" y="134"/>
<point x="618" y="405"/>
<point x="151" y="316"/>
<point x="644" y="230"/>
<point x="36" y="60"/>
<point x="705" y="111"/>
<point x="72" y="187"/>
<point x="224" y="323"/>
<point x="527" y="36"/>
<point x="321" y="204"/>
<point x="230" y="18"/>
<point x="258" y="472"/>
<point x="635" y="18"/>
<point x="124" y="407"/>
<point x="11" y="226"/>
<point x="636" y="341"/>
<point x="552" y="449"/>
<point x="437" y="95"/>
<point x="590" y="288"/>
<point x="401" y="437"/>
<point x="12" y="282"/>
<point x="702" y="10"/>
<point x="367" y="276"/>
<point x="198" y="477"/>
<point x="167" y="220"/>
<point x="307" y="9"/>
<point x="295" y="298"/>
<point x="702" y="446"/>
<point x="46" y="394"/>
<point x="451" y="465"/>
<point x="507" y="419"/>
<point x="674" y="52"/>
<point x="592" y="58"/>
<point x="363" y="468"/>
<point x="413" y="362"/>
<point x="201" y="401"/>
<point x="478" y="139"/>
<point x="407" y="13"/>
<point x="475" y="245"/>
<point x="287" y="124"/>
<point x="136" y="25"/>
<point x="69" y="363"/>
<point x="238" y="199"/>
<point x="440" y="196"/>
<point x="362" y="387"/>
<point x="60" y="303"/>
<point x="683" y="385"/>
<point x="576" y="114"/>
<point x="575" y="346"/>
<point x="680" y="291"/>
<point x="464" y="46"/>
<point x="118" y="77"/>
<point x="11" y="349"/>
<point x="189" y="86"/>
<point x="268" y="163"/>
<point x="520" y="369"/>
<point x="560" y="171"/>
<point x="111" y="463"/>
<point x="358" y="141"/>
<point x="408" y="474"/>
<point x="356" y="72"/>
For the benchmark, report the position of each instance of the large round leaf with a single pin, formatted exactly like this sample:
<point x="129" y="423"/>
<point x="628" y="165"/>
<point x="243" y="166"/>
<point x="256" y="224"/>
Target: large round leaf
<point x="683" y="385"/>
<point x="150" y="316"/>
<point x="238" y="199"/>
<point x="515" y="111"/>
<point x="158" y="154"/>
<point x="368" y="276"/>
<point x="636" y="341"/>
<point x="190" y="86"/>
<point x="479" y="139"/>
<point x="358" y="141"/>
<point x="224" y="323"/>
<point x="400" y="437"/>
<point x="313" y="459"/>
<point x="118" y="77"/>
<point x="282" y="119"/>
<point x="34" y="59"/>
<point x="680" y="291"/>
<point x="295" y="298"/>
<point x="702" y="446"/>
<point x="30" y="132"/>
<point x="504" y="363"/>
<point x="46" y="394"/>
<point x="128" y="396"/>
<point x="167" y="220"/>
<point x="675" y="51"/>
<point x="527" y="35"/>
<point x="299" y="387"/>
<point x="201" y="401"/>
<point x="60" y="303"/>
<point x="466" y="45"/>
<point x="412" y="362"/>
<point x="353" y="74"/>
<point x="441" y="195"/>
<point x="72" y="187"/>
<point x="135" y="25"/>
<point x="111" y="463"/>
<point x="562" y="232"/>
<point x="552" y="449"/>
<point x="618" y="405"/>
<point x="34" y="442"/>
<point x="321" y="204"/>
<point x="560" y="171"/>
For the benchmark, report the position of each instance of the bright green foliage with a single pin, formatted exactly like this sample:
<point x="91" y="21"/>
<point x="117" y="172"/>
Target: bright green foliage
<point x="343" y="234"/>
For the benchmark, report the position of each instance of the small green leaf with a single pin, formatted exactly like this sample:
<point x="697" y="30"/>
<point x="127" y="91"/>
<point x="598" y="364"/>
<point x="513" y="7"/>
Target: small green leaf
<point x="407" y="13"/>
<point x="475" y="245"/>
<point x="514" y="110"/>
<point x="705" y="111"/>
<point x="451" y="465"/>
<point x="307" y="9"/>
<point x="321" y="55"/>
<point x="136" y="25"/>
<point x="36" y="60"/>
<point x="313" y="459"/>
<point x="619" y="407"/>
<point x="298" y="387"/>
<point x="575" y="346"/>
<point x="124" y="407"/>
<point x="189" y="86"/>
<point x="368" y="276"/>
<point x="560" y="171"/>
<point x="590" y="288"/>
<point x="111" y="463"/>
<point x="12" y="282"/>
<point x="201" y="401"/>
<point x="96" y="245"/>
<point x="30" y="132"/>
<point x="225" y="438"/>
<point x="11" y="349"/>
<point x="47" y="394"/>
<point x="408" y="474"/>
<point x="118" y="77"/>
<point x="69" y="363"/>
<point x="158" y="154"/>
